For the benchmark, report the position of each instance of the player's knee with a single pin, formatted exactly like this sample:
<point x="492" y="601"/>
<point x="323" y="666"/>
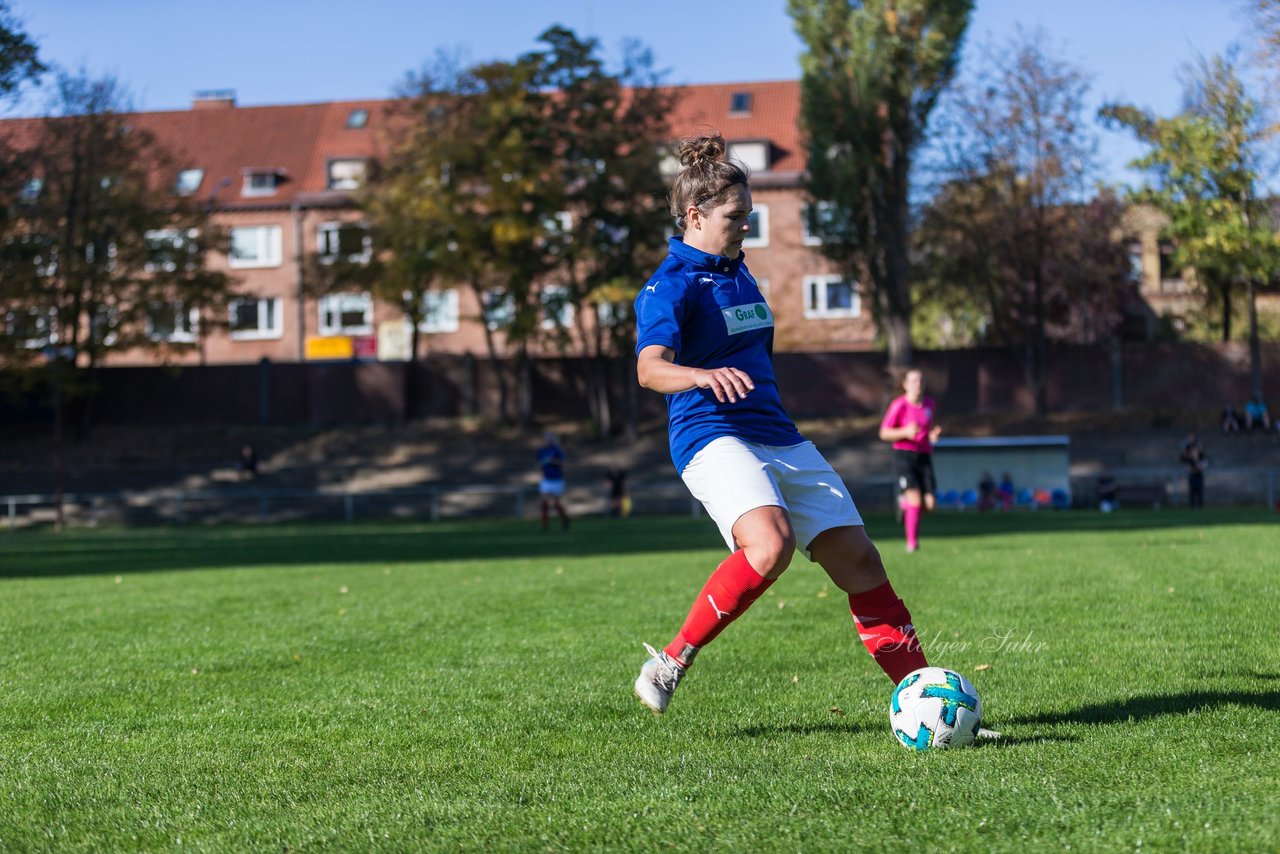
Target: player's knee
<point x="770" y="553"/>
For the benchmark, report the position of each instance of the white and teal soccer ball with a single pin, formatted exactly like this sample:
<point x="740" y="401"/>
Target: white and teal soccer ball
<point x="933" y="708"/>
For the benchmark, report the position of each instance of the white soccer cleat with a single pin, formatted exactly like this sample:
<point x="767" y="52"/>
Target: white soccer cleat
<point x="658" y="680"/>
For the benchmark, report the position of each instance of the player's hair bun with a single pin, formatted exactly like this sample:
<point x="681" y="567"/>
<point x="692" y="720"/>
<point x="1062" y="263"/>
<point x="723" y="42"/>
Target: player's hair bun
<point x="701" y="149"/>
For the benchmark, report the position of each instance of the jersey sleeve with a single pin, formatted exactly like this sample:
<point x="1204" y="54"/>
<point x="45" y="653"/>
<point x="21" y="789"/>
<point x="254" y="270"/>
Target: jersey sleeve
<point x="893" y="415"/>
<point x="658" y="310"/>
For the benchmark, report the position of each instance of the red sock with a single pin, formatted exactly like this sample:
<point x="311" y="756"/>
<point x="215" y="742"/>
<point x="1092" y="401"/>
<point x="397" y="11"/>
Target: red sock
<point x="911" y="519"/>
<point x="727" y="595"/>
<point x="884" y="624"/>
<point x="545" y="516"/>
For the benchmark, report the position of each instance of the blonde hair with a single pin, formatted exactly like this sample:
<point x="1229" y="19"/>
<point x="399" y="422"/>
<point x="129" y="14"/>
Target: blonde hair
<point x="706" y="177"/>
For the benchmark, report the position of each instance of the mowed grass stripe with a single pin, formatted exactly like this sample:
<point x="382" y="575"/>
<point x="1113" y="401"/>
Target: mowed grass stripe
<point x="467" y="686"/>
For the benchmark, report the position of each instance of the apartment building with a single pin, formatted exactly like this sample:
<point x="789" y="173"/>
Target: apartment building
<point x="280" y="180"/>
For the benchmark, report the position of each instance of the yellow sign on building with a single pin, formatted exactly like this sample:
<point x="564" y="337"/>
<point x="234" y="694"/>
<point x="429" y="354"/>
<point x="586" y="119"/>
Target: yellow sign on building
<point x="329" y="347"/>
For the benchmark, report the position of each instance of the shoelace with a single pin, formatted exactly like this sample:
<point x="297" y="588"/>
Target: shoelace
<point x="668" y="673"/>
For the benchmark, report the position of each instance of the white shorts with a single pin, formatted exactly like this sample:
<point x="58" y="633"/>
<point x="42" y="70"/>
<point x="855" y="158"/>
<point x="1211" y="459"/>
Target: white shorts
<point x="732" y="477"/>
<point x="551" y="487"/>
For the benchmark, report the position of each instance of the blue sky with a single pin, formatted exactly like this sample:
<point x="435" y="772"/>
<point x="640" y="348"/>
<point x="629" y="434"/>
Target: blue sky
<point x="287" y="51"/>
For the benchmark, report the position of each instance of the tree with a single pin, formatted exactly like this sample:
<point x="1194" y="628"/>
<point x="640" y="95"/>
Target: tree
<point x="101" y="255"/>
<point x="1203" y="166"/>
<point x="1010" y="234"/>
<point x="19" y="59"/>
<point x="607" y="131"/>
<point x="871" y="74"/>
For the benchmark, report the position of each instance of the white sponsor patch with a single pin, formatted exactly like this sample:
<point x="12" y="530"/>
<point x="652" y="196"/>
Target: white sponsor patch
<point x="744" y="318"/>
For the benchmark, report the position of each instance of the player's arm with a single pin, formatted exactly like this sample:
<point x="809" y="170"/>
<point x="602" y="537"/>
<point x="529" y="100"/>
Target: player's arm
<point x="657" y="371"/>
<point x="890" y="431"/>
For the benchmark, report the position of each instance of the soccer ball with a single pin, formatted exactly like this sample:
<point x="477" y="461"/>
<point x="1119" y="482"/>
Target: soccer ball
<point x="933" y="708"/>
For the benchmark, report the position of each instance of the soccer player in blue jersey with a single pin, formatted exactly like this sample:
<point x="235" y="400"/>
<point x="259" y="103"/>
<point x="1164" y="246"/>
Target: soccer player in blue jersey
<point x="551" y="487"/>
<point x="705" y="340"/>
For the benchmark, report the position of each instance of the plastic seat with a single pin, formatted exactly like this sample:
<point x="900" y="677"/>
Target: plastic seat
<point x="969" y="498"/>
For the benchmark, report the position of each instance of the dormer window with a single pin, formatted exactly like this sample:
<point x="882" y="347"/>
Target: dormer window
<point x="753" y="155"/>
<point x="740" y="104"/>
<point x="346" y="174"/>
<point x="260" y="182"/>
<point x="357" y="119"/>
<point x="188" y="181"/>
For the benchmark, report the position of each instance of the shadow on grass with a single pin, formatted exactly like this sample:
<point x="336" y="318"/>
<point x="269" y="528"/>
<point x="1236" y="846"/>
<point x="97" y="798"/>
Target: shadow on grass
<point x="121" y="551"/>
<point x="42" y="553"/>
<point x="1154" y="706"/>
<point x="839" y="727"/>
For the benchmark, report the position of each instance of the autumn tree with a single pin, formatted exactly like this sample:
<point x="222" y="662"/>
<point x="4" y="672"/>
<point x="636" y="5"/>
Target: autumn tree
<point x="1203" y="169"/>
<point x="102" y="255"/>
<point x="1010" y="242"/>
<point x="872" y="72"/>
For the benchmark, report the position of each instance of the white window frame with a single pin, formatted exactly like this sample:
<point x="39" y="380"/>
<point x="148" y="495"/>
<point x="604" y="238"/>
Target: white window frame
<point x="821" y="311"/>
<point x="440" y="312"/>
<point x="352" y="182"/>
<point x="269" y="308"/>
<point x="341" y="303"/>
<point x="500" y="312"/>
<point x="249" y="191"/>
<point x="550" y="295"/>
<point x="184" y="185"/>
<point x="761" y="212"/>
<point x="327" y="246"/>
<point x="267" y="240"/>
<point x="178" y="335"/>
<point x="808" y="238"/>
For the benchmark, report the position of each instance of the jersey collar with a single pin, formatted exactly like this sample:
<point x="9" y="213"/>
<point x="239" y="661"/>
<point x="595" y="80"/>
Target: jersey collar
<point x="715" y="263"/>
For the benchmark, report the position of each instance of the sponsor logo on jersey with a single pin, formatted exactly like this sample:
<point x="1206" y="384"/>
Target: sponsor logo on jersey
<point x="744" y="318"/>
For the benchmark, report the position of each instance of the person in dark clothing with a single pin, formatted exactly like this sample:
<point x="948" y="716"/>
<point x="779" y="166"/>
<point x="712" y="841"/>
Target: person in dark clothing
<point x="1196" y="461"/>
<point x="619" y="501"/>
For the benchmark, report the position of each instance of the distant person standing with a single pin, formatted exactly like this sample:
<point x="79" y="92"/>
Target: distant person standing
<point x="1196" y="461"/>
<point x="619" y="501"/>
<point x="551" y="487"/>
<point x="909" y="425"/>
<point x="248" y="464"/>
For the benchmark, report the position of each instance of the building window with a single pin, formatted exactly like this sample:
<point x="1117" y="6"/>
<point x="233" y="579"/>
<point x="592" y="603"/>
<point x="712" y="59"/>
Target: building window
<point x="1133" y="274"/>
<point x="260" y="182"/>
<point x="172" y="322"/>
<point x="753" y="155"/>
<point x="31" y="190"/>
<point x="439" y="311"/>
<point x="31" y="328"/>
<point x="350" y="241"/>
<point x="188" y="182"/>
<point x="814" y="220"/>
<point x="26" y="251"/>
<point x="255" y="246"/>
<point x="758" y="236"/>
<point x="346" y="174"/>
<point x="357" y="119"/>
<point x="613" y="313"/>
<point x="740" y="103"/>
<point x="830" y="296"/>
<point x="105" y="325"/>
<point x="557" y="307"/>
<point x="256" y="318"/>
<point x="346" y="314"/>
<point x="168" y="248"/>
<point x="499" y="309"/>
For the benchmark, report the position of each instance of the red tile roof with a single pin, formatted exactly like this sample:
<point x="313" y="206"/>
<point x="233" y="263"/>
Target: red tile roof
<point x="301" y="139"/>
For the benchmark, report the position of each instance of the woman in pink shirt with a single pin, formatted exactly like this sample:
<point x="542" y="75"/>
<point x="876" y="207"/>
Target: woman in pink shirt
<point x="909" y="425"/>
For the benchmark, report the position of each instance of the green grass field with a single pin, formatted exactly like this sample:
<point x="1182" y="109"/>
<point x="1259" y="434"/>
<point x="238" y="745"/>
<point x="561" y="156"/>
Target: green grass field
<point x="468" y="687"/>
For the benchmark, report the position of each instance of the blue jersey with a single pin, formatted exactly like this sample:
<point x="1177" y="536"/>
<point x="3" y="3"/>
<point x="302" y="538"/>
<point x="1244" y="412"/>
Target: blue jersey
<point x="709" y="310"/>
<point x="551" y="458"/>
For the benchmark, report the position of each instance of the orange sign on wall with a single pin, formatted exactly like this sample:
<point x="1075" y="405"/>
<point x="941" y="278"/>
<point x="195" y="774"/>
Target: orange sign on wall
<point x="329" y="347"/>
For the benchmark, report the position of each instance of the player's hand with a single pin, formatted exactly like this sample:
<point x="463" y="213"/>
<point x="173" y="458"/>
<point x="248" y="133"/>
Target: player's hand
<point x="935" y="433"/>
<point x="728" y="384"/>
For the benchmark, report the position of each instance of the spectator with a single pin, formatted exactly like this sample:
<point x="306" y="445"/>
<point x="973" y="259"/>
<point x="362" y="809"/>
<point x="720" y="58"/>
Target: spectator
<point x="1106" y="489"/>
<point x="248" y="464"/>
<point x="551" y="487"/>
<point x="1196" y="461"/>
<point x="619" y="500"/>
<point x="1006" y="491"/>
<point x="1231" y="420"/>
<point x="1256" y="415"/>
<point x="988" y="492"/>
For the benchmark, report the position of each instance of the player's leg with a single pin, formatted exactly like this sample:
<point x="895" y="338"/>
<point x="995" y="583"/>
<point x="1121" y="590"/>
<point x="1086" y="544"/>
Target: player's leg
<point x="545" y="501"/>
<point x="745" y="503"/>
<point x="883" y="621"/>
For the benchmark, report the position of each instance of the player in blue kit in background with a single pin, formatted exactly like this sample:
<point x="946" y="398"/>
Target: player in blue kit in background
<point x="551" y="487"/>
<point x="704" y="338"/>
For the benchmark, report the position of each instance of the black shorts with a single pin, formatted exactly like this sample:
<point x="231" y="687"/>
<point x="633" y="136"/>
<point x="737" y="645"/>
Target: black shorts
<point x="914" y="471"/>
